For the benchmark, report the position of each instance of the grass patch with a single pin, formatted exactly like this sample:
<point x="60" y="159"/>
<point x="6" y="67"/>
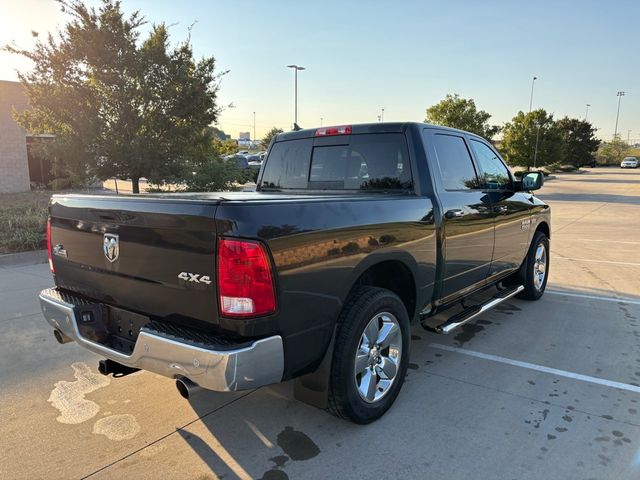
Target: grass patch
<point x="23" y="221"/>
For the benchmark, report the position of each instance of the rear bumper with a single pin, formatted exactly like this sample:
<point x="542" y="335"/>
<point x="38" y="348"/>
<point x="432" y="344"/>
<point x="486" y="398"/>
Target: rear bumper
<point x="259" y="363"/>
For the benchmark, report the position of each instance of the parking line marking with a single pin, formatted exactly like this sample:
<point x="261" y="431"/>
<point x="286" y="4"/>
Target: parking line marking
<point x="591" y="260"/>
<point x="594" y="297"/>
<point x="600" y="240"/>
<point x="539" y="368"/>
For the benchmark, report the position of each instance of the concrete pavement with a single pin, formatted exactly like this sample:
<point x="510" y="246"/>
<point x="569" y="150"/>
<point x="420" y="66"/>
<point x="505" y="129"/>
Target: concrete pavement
<point x="540" y="390"/>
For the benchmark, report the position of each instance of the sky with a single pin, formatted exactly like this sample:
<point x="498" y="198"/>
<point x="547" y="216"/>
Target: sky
<point x="403" y="56"/>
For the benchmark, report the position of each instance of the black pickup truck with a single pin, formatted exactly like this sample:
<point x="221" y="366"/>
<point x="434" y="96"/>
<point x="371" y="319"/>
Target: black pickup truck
<point x="354" y="233"/>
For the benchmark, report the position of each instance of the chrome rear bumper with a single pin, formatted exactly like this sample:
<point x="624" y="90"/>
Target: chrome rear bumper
<point x="259" y="363"/>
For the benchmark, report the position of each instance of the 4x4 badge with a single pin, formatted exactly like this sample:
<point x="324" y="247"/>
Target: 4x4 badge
<point x="111" y="246"/>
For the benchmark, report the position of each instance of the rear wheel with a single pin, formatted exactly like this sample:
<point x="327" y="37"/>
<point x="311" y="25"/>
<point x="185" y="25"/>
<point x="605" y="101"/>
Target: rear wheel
<point x="370" y="356"/>
<point x="537" y="268"/>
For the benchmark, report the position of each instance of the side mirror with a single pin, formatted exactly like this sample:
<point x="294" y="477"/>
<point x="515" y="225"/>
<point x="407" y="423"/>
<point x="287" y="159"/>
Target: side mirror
<point x="532" y="181"/>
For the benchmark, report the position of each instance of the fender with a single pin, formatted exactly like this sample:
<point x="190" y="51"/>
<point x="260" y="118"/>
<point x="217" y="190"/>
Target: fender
<point x="375" y="258"/>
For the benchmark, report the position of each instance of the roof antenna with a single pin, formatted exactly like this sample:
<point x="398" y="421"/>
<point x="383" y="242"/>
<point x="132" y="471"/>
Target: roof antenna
<point x="296" y="127"/>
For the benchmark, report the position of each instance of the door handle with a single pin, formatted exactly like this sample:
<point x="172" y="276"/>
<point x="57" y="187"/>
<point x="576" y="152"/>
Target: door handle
<point x="500" y="209"/>
<point x="455" y="213"/>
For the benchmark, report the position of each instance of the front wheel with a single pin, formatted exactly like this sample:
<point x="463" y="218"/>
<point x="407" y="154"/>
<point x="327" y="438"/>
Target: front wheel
<point x="370" y="356"/>
<point x="537" y="268"/>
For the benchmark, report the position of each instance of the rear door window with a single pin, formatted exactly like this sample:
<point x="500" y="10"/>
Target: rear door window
<point x="454" y="161"/>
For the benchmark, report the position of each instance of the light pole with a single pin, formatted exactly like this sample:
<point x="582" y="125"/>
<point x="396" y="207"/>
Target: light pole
<point x="628" y="135"/>
<point x="254" y="126"/>
<point x="539" y="125"/>
<point x="296" y="68"/>
<point x="586" y="113"/>
<point x="535" y="154"/>
<point x="619" y="95"/>
<point x="321" y="119"/>
<point x="531" y="97"/>
<point x="382" y="116"/>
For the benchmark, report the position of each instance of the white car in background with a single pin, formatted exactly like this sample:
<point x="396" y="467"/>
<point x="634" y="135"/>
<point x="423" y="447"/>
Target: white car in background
<point x="629" y="162"/>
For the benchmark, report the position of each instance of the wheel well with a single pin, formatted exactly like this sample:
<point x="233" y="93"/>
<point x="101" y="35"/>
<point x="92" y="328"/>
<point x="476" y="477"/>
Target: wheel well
<point x="395" y="276"/>
<point x="544" y="228"/>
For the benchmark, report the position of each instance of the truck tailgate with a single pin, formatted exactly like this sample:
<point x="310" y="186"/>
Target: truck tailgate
<point x="151" y="255"/>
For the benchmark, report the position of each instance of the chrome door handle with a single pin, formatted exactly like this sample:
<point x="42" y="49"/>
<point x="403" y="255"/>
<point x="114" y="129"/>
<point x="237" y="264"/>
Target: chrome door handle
<point x="455" y="213"/>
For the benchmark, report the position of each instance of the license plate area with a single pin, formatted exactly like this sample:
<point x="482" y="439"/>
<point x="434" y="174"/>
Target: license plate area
<point x="112" y="327"/>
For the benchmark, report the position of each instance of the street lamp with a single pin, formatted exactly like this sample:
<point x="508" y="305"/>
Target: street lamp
<point x="296" y="68"/>
<point x="586" y="114"/>
<point x="535" y="154"/>
<point x="254" y="126"/>
<point x="619" y="95"/>
<point x="531" y="98"/>
<point x="321" y="119"/>
<point x="382" y="116"/>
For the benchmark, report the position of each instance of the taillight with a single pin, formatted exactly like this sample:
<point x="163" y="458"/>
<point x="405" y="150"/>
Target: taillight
<point x="328" y="131"/>
<point x="49" y="253"/>
<point x="245" y="284"/>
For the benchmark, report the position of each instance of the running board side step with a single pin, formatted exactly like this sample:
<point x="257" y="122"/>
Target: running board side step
<point x="472" y="312"/>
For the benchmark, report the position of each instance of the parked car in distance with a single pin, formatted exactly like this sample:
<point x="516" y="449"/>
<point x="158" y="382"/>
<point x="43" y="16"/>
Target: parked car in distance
<point x="629" y="162"/>
<point x="240" y="160"/>
<point x="354" y="233"/>
<point x="255" y="162"/>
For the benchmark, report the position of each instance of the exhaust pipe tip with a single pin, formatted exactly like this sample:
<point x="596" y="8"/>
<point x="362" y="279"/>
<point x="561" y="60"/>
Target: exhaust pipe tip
<point x="61" y="337"/>
<point x="187" y="388"/>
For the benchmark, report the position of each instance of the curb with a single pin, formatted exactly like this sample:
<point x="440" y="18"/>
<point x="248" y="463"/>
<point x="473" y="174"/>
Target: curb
<point x="23" y="258"/>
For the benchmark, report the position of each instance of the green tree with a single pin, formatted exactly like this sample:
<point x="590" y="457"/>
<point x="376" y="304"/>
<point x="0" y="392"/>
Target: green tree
<point x="214" y="175"/>
<point x="579" y="142"/>
<point x="117" y="105"/>
<point x="218" y="133"/>
<point x="266" y="140"/>
<point x="521" y="134"/>
<point x="224" y="147"/>
<point x="612" y="153"/>
<point x="456" y="112"/>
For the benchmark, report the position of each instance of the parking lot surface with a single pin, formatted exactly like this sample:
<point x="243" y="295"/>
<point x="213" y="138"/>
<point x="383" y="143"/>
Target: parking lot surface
<point x="530" y="390"/>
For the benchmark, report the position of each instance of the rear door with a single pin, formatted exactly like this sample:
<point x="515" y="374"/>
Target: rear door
<point x="511" y="209"/>
<point x="467" y="218"/>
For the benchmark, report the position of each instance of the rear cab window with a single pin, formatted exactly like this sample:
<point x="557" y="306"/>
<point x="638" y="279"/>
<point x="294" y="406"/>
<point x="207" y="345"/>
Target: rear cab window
<point x="363" y="162"/>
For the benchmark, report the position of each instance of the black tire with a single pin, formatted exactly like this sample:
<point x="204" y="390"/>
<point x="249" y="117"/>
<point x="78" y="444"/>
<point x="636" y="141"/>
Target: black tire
<point x="363" y="306"/>
<point x="533" y="290"/>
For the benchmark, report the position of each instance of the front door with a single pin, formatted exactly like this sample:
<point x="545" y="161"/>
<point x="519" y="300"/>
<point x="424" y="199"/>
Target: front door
<point x="511" y="209"/>
<point x="467" y="217"/>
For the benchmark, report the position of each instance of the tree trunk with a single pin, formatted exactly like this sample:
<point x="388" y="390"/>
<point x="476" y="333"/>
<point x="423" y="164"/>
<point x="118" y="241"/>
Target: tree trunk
<point x="135" y="185"/>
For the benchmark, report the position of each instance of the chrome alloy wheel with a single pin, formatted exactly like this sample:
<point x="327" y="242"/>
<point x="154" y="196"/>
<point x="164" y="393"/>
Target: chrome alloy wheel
<point x="378" y="357"/>
<point x="540" y="266"/>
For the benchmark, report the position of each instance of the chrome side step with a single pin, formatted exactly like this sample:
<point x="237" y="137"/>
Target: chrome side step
<point x="472" y="312"/>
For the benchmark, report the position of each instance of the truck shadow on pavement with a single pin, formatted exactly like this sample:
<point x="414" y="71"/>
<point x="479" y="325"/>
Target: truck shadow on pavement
<point x="267" y="434"/>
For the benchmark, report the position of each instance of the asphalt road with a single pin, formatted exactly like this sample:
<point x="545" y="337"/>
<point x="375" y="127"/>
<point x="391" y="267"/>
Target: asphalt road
<point x="540" y="390"/>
